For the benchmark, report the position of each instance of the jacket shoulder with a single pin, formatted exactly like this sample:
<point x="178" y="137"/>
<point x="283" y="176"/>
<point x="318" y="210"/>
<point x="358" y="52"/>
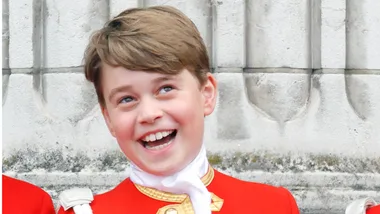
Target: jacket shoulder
<point x="25" y="197"/>
<point x="374" y="210"/>
<point x="256" y="197"/>
<point x="14" y="185"/>
<point x="242" y="185"/>
<point x="105" y="200"/>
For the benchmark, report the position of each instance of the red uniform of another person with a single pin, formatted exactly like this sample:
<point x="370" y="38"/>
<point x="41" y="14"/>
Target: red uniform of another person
<point x="374" y="210"/>
<point x="20" y="197"/>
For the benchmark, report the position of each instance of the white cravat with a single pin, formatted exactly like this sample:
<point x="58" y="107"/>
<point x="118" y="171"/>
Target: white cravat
<point x="187" y="181"/>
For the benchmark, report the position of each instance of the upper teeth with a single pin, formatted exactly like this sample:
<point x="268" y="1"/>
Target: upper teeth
<point x="156" y="136"/>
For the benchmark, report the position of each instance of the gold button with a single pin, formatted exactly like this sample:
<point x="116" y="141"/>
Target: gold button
<point x="171" y="211"/>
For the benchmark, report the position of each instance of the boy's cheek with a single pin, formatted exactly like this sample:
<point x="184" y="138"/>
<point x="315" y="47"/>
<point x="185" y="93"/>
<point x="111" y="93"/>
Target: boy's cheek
<point x="192" y="106"/>
<point x="123" y="133"/>
<point x="123" y="130"/>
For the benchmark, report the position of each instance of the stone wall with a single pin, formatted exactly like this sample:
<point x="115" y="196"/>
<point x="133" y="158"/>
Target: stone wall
<point x="298" y="106"/>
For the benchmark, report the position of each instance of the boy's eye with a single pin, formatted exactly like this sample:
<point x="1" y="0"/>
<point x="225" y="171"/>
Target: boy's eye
<point x="126" y="100"/>
<point x="165" y="89"/>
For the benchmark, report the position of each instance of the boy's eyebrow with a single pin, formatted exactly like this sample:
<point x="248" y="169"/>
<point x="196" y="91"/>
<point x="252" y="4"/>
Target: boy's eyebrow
<point x="118" y="89"/>
<point x="163" y="78"/>
<point x="128" y="87"/>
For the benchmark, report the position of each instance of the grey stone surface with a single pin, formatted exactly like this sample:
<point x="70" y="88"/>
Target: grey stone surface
<point x="279" y="96"/>
<point x="230" y="111"/>
<point x="362" y="95"/>
<point x="5" y="34"/>
<point x="21" y="34"/>
<point x="5" y="80"/>
<point x="298" y="102"/>
<point x="277" y="34"/>
<point x="68" y="28"/>
<point x="117" y="6"/>
<point x="315" y="29"/>
<point x="229" y="28"/>
<point x="59" y="123"/>
<point x="363" y="34"/>
<point x="64" y="84"/>
<point x="333" y="32"/>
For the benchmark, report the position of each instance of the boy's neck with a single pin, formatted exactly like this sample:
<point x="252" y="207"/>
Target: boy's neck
<point x="199" y="165"/>
<point x="187" y="181"/>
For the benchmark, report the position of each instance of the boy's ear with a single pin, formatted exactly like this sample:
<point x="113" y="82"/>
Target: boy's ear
<point x="209" y="92"/>
<point x="108" y="120"/>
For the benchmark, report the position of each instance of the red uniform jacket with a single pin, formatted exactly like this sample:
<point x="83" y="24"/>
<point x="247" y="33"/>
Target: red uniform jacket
<point x="374" y="210"/>
<point x="20" y="197"/>
<point x="229" y="196"/>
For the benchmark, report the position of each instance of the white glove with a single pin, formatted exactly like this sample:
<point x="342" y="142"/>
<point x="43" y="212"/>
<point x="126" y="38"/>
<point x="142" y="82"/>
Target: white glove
<point x="82" y="209"/>
<point x="77" y="198"/>
<point x="360" y="206"/>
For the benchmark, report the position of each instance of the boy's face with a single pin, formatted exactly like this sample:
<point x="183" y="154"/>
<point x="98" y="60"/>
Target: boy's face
<point x="157" y="119"/>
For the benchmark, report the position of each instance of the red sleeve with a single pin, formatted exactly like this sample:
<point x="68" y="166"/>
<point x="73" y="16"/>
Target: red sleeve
<point x="47" y="206"/>
<point x="374" y="210"/>
<point x="292" y="203"/>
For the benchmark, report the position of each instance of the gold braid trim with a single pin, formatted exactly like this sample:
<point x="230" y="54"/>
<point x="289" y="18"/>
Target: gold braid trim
<point x="183" y="205"/>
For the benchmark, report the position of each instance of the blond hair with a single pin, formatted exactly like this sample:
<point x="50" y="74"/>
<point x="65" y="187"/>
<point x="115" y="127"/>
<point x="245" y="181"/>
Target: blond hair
<point x="154" y="39"/>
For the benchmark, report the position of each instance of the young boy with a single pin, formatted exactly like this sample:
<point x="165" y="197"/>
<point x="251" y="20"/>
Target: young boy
<point x="151" y="72"/>
<point x="20" y="197"/>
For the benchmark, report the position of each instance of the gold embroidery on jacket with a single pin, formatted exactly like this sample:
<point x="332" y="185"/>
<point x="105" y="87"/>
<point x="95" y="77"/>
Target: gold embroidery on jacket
<point x="183" y="205"/>
<point x="186" y="207"/>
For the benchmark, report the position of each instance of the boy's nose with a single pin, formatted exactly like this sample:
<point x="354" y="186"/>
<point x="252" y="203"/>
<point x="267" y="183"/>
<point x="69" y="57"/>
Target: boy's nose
<point x="149" y="112"/>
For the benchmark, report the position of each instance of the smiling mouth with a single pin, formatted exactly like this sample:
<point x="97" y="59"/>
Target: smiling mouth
<point x="158" y="140"/>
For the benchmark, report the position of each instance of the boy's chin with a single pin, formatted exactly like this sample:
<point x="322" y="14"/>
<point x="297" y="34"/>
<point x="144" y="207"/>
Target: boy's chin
<point x="164" y="169"/>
